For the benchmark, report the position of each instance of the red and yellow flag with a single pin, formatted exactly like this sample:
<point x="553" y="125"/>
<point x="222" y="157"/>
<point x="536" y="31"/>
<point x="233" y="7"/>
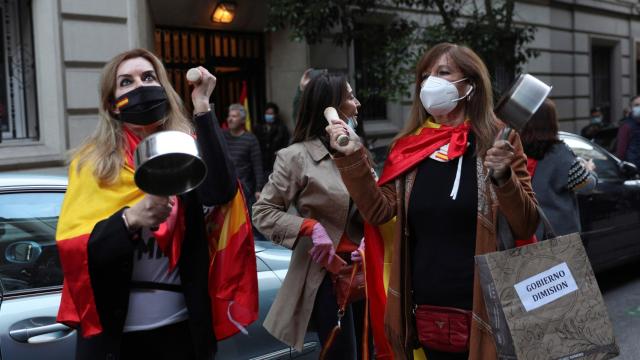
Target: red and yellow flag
<point x="244" y="100"/>
<point x="378" y="242"/>
<point x="233" y="285"/>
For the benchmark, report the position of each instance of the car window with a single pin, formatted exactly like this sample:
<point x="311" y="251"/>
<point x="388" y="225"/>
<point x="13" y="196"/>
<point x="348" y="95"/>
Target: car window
<point x="28" y="253"/>
<point x="606" y="167"/>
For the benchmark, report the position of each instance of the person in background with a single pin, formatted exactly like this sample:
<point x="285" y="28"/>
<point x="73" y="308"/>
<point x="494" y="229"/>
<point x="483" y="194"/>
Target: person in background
<point x="557" y="173"/>
<point x="272" y="135"/>
<point x="136" y="283"/>
<point x="600" y="130"/>
<point x="595" y="124"/>
<point x="436" y="183"/>
<point x="244" y="151"/>
<point x="628" y="146"/>
<point x="326" y="227"/>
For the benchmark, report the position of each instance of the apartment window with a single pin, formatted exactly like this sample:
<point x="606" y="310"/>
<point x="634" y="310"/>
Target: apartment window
<point x="374" y="107"/>
<point x="601" y="79"/>
<point x="18" y="112"/>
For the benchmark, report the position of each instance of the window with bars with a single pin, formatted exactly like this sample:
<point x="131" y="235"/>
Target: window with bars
<point x="374" y="107"/>
<point x="601" y="79"/>
<point x="18" y="110"/>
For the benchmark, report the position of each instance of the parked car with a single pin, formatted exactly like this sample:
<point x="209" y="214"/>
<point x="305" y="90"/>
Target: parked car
<point x="610" y="215"/>
<point x="31" y="280"/>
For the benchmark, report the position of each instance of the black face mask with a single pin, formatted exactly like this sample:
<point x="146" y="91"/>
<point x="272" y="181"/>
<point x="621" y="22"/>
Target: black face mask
<point x="143" y="106"/>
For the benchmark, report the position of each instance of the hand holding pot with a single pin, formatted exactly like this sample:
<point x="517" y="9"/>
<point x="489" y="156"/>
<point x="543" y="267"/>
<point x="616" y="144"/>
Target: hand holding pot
<point x="150" y="212"/>
<point x="202" y="90"/>
<point x="499" y="158"/>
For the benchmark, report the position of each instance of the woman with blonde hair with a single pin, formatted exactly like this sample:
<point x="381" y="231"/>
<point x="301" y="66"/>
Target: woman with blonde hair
<point x="436" y="183"/>
<point x="136" y="265"/>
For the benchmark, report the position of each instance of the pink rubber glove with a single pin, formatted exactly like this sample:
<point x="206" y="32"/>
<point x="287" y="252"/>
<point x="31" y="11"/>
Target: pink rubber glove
<point x="355" y="255"/>
<point x="322" y="248"/>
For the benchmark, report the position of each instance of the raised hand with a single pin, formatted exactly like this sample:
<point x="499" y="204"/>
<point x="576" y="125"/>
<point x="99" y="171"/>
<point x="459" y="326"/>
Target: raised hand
<point x="202" y="90"/>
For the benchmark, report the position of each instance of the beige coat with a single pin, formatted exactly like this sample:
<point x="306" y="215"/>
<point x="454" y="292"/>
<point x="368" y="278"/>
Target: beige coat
<point x="305" y="178"/>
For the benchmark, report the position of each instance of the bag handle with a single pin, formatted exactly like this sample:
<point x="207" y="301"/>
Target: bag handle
<point x="505" y="236"/>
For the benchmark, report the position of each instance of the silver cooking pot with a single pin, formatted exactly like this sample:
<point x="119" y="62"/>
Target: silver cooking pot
<point x="168" y="163"/>
<point x="523" y="99"/>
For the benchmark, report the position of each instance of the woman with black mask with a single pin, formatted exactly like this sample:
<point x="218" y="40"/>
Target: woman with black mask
<point x="136" y="265"/>
<point x="272" y="135"/>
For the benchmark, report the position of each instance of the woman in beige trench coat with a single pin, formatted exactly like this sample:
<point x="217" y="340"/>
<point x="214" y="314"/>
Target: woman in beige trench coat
<point x="306" y="179"/>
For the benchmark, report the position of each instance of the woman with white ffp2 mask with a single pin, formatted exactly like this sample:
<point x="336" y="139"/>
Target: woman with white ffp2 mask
<point x="435" y="181"/>
<point x="440" y="96"/>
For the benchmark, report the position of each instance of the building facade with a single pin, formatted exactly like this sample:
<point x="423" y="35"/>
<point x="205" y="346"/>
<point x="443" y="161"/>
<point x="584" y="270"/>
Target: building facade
<point x="53" y="52"/>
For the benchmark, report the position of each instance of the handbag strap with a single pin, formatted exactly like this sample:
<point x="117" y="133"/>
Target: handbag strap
<point x="505" y="236"/>
<point x="343" y="306"/>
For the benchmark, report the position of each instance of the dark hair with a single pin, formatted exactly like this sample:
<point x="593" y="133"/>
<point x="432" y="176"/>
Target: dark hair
<point x="321" y="92"/>
<point x="595" y="109"/>
<point x="541" y="132"/>
<point x="633" y="98"/>
<point x="270" y="105"/>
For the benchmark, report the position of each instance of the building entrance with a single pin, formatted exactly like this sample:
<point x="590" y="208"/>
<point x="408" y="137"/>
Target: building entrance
<point x="235" y="58"/>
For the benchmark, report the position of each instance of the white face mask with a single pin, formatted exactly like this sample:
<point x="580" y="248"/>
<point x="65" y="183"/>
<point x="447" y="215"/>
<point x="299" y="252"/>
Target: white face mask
<point x="439" y="96"/>
<point x="635" y="111"/>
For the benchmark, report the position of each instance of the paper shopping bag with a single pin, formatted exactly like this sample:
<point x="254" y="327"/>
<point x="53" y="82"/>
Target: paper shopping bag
<point x="543" y="302"/>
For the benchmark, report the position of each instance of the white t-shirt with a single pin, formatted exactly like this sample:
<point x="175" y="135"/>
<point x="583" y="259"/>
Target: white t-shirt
<point x="151" y="308"/>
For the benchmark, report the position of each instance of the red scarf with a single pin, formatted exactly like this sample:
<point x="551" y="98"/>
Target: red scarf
<point x="411" y="149"/>
<point x="531" y="166"/>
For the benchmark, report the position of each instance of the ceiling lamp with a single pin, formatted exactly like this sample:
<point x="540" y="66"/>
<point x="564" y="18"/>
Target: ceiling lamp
<point x="224" y="13"/>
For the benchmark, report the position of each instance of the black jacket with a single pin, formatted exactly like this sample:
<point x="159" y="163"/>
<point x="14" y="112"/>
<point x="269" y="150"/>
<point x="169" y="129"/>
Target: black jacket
<point x="272" y="138"/>
<point x="111" y="249"/>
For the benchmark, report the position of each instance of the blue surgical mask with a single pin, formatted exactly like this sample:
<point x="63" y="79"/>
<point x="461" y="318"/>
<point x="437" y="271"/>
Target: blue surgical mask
<point x="269" y="118"/>
<point x="352" y="123"/>
<point x="596" y="119"/>
<point x="635" y="111"/>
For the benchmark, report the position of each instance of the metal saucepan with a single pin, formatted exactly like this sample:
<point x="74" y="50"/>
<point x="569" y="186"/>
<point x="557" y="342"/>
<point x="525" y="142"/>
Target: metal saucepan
<point x="523" y="99"/>
<point x="168" y="163"/>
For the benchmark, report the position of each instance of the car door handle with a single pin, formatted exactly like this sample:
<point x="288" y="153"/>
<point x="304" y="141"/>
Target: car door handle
<point x="33" y="335"/>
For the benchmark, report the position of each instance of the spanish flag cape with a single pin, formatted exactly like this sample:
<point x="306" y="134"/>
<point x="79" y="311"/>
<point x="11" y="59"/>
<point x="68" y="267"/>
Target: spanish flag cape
<point x="404" y="156"/>
<point x="233" y="285"/>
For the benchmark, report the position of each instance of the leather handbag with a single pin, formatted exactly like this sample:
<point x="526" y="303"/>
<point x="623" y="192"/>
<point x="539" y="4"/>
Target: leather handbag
<point x="445" y="329"/>
<point x="348" y="284"/>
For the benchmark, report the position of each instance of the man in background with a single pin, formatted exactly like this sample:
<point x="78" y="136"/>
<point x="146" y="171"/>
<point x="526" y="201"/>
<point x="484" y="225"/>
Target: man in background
<point x="244" y="151"/>
<point x="628" y="147"/>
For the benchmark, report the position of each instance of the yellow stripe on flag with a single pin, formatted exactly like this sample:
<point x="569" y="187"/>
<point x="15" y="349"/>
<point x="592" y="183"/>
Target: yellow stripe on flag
<point x="87" y="202"/>
<point x="244" y="100"/>
<point x="247" y="123"/>
<point x="386" y="231"/>
<point x="233" y="220"/>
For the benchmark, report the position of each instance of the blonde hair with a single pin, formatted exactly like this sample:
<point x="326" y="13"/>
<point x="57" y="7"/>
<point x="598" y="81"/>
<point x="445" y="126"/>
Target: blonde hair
<point x="479" y="106"/>
<point x="104" y="149"/>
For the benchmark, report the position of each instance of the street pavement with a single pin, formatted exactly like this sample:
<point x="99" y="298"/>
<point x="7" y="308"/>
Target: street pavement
<point x="621" y="291"/>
